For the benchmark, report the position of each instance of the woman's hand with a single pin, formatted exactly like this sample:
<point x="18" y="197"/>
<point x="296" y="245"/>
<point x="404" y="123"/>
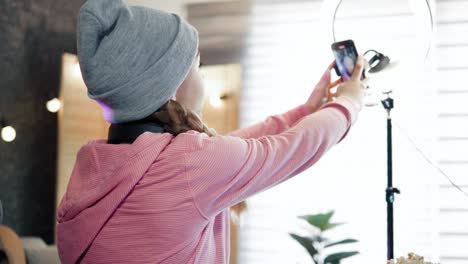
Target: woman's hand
<point x="354" y="87"/>
<point x="320" y="92"/>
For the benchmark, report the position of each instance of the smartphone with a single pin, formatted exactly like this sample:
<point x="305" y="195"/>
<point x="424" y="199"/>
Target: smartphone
<point x="345" y="56"/>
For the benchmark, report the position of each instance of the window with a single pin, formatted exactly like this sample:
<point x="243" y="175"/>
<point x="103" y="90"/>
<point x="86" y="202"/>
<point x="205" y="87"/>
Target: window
<point x="452" y="127"/>
<point x="289" y="48"/>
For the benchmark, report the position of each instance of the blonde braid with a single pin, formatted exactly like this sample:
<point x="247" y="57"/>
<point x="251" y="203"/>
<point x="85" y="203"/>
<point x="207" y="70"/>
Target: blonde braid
<point x="177" y="119"/>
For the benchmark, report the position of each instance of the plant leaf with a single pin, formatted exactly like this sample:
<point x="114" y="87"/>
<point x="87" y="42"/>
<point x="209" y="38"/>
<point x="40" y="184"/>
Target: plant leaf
<point x="331" y="226"/>
<point x="337" y="257"/>
<point x="321" y="221"/>
<point x="345" y="241"/>
<point x="306" y="243"/>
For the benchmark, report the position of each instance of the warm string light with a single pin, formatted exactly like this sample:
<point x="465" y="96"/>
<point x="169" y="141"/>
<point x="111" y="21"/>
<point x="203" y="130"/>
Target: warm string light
<point x="216" y="101"/>
<point x="8" y="133"/>
<point x="53" y="105"/>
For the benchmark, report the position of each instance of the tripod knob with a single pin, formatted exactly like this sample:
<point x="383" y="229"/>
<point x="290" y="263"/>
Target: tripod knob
<point x="388" y="103"/>
<point x="390" y="194"/>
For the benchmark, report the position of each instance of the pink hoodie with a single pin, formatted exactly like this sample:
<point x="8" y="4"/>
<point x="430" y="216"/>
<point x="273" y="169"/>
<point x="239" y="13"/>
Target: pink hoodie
<point x="165" y="199"/>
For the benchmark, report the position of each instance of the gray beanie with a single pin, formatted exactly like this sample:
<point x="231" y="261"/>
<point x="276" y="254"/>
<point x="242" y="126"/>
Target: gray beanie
<point x="132" y="58"/>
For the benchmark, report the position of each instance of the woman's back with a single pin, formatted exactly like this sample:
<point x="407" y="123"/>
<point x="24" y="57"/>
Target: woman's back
<point x="158" y="221"/>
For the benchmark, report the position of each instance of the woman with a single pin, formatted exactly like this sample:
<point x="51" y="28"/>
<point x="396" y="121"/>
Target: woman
<point x="163" y="195"/>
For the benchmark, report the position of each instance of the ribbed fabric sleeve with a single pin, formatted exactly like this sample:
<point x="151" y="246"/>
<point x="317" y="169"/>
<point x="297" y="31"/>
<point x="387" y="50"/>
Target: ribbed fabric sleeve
<point x="225" y="170"/>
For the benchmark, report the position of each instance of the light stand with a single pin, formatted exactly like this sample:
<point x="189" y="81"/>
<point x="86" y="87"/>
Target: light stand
<point x="377" y="63"/>
<point x="381" y="62"/>
<point x="388" y="104"/>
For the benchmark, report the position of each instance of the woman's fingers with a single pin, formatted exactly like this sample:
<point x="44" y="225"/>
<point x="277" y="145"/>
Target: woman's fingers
<point x="330" y="93"/>
<point x="358" y="69"/>
<point x="321" y="92"/>
<point x="324" y="82"/>
<point x="335" y="83"/>
<point x="332" y="65"/>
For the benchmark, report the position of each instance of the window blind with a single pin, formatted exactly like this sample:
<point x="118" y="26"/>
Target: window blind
<point x="452" y="127"/>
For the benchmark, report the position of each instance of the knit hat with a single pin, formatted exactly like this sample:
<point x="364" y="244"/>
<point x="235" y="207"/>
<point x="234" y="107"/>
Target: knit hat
<point x="132" y="58"/>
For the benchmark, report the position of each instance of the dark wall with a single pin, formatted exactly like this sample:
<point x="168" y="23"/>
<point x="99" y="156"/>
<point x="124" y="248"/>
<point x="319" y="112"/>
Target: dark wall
<point x="33" y="36"/>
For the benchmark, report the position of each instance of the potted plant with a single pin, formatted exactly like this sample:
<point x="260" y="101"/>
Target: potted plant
<point x="316" y="244"/>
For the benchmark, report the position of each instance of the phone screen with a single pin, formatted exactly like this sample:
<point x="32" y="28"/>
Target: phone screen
<point x="345" y="56"/>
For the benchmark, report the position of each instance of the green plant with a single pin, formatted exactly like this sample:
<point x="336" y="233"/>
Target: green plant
<point x="316" y="243"/>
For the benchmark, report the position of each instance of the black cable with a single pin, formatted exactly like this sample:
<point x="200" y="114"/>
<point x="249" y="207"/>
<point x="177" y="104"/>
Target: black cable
<point x="371" y="50"/>
<point x="429" y="161"/>
<point x="429" y="9"/>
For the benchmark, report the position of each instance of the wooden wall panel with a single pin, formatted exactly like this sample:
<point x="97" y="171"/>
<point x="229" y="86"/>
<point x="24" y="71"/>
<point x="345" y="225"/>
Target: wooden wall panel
<point x="80" y="121"/>
<point x="222" y="80"/>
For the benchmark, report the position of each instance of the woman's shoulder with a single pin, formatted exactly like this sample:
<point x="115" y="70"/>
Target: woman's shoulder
<point x="196" y="141"/>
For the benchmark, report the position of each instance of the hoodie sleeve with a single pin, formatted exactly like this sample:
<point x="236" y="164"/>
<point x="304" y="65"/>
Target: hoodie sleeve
<point x="224" y="170"/>
<point x="273" y="125"/>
